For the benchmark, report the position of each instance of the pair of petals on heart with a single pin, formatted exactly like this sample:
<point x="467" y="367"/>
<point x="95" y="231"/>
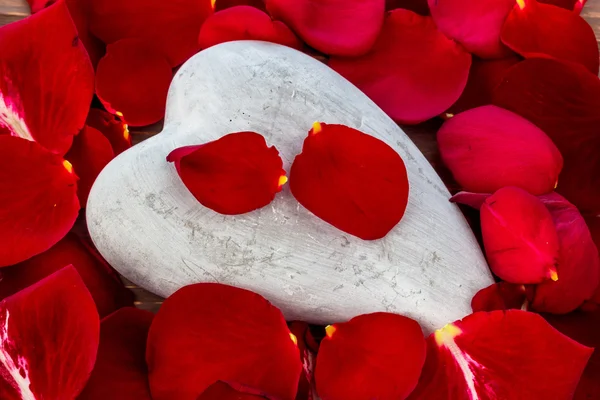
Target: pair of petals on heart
<point x="401" y="73"/>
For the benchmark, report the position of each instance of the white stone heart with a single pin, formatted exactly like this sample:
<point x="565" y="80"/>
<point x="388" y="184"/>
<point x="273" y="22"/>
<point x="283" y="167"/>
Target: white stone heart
<point x="153" y="231"/>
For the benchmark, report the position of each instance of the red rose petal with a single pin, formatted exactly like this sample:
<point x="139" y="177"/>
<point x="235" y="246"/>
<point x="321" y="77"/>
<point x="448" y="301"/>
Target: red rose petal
<point x="473" y="200"/>
<point x="579" y="264"/>
<point x="222" y="391"/>
<point x="224" y="4"/>
<point x="488" y="147"/>
<point x="38" y="5"/>
<point x="133" y="80"/>
<point x="419" y="6"/>
<point x="245" y="23"/>
<point x="46" y="83"/>
<point x="474" y="24"/>
<point x="500" y="296"/>
<point x="217" y="173"/>
<point x="520" y="239"/>
<point x="38" y="200"/>
<point x="336" y="27"/>
<point x="120" y="372"/>
<point x="208" y="332"/>
<point x="564" y="101"/>
<point x="501" y="355"/>
<point x="533" y="29"/>
<point x="103" y="283"/>
<point x="49" y="338"/>
<point x="169" y="28"/>
<point x="372" y="356"/>
<point x="566" y="4"/>
<point x="115" y="130"/>
<point x="351" y="180"/>
<point x="401" y="73"/>
<point x="301" y="332"/>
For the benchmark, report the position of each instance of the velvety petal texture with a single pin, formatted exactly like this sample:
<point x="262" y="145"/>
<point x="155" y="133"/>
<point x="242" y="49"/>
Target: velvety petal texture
<point x="112" y="127"/>
<point x="402" y="74"/>
<point x="500" y="296"/>
<point x="351" y="180"/>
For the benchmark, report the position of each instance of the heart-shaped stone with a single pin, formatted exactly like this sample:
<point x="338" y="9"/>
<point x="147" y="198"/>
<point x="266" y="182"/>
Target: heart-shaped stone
<point x="153" y="231"/>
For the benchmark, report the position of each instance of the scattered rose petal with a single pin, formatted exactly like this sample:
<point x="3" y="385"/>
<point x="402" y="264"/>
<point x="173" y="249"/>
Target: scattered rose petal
<point x="566" y="4"/>
<point x="208" y="332"/>
<point x="533" y="29"/>
<point x="120" y="372"/>
<point x="474" y="24"/>
<point x="38" y="200"/>
<point x="46" y="79"/>
<point x="38" y="5"/>
<point x="224" y="4"/>
<point x="222" y="391"/>
<point x="133" y="80"/>
<point x="336" y="27"/>
<point x="564" y="101"/>
<point x="115" y="130"/>
<point x="169" y="28"/>
<point x="351" y="180"/>
<point x="245" y="23"/>
<point x="418" y="6"/>
<point x="520" y="239"/>
<point x="218" y="173"/>
<point x="372" y="356"/>
<point x="500" y="296"/>
<point x="473" y="200"/>
<point x="488" y="147"/>
<point x="48" y="339"/>
<point x="401" y="73"/>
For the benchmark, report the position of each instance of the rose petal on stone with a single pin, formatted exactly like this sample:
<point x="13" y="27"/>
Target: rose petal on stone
<point x="372" y="356"/>
<point x="521" y="242"/>
<point x="245" y="23"/>
<point x="114" y="129"/>
<point x="48" y="339"/>
<point x="501" y="355"/>
<point x="208" y="332"/>
<point x="38" y="200"/>
<point x="351" y="180"/>
<point x="224" y="4"/>
<point x="488" y="147"/>
<point x="222" y="391"/>
<point x="418" y="6"/>
<point x="474" y="24"/>
<point x="533" y="29"/>
<point x="132" y="80"/>
<point x="346" y="28"/>
<point x="120" y="372"/>
<point x="473" y="200"/>
<point x="46" y="79"/>
<point x="500" y="296"/>
<point x="401" y="73"/>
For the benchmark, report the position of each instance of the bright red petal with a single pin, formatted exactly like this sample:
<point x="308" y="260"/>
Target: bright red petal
<point x="217" y="173"/>
<point x="500" y="296"/>
<point x="336" y="27"/>
<point x="564" y="101"/>
<point x="351" y="180"/>
<point x="224" y="4"/>
<point x="120" y="372"/>
<point x="222" y="391"/>
<point x="401" y="73"/>
<point x="48" y="338"/>
<point x="501" y="355"/>
<point x="419" y="6"/>
<point x="46" y="79"/>
<point x="132" y="80"/>
<point x="38" y="200"/>
<point x="536" y="29"/>
<point x="169" y="28"/>
<point x="115" y="130"/>
<point x="373" y="356"/>
<point x="473" y="200"/>
<point x="209" y="332"/>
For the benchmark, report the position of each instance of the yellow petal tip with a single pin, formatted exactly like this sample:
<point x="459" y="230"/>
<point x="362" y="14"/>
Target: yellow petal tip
<point x="68" y="166"/>
<point x="316" y="128"/>
<point x="330" y="330"/>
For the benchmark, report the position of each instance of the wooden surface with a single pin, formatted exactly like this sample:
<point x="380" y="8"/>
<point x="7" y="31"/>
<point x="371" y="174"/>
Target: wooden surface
<point x="422" y="135"/>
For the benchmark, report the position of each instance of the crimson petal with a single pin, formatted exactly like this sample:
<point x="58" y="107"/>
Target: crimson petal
<point x="49" y="337"/>
<point x="222" y="391"/>
<point x="115" y="130"/>
<point x="566" y="4"/>
<point x="46" y="79"/>
<point x="418" y="6"/>
<point x="500" y="296"/>
<point x="208" y="332"/>
<point x="224" y="4"/>
<point x="401" y="73"/>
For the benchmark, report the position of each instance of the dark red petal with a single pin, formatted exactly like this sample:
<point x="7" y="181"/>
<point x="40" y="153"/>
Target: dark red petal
<point x="115" y="130"/>
<point x="336" y="27"/>
<point x="223" y="4"/>
<point x="520" y="239"/>
<point x="301" y="332"/>
<point x="488" y="147"/>
<point x="351" y="180"/>
<point x="222" y="391"/>
<point x="372" y="356"/>
<point x="46" y="83"/>
<point x="401" y="73"/>
<point x="49" y="338"/>
<point x="564" y="101"/>
<point x="473" y="200"/>
<point x="217" y="173"/>
<point x="500" y="296"/>
<point x="566" y="4"/>
<point x="132" y="80"/>
<point x="419" y="6"/>
<point x="38" y="200"/>
<point x="501" y="355"/>
<point x="103" y="283"/>
<point x="578" y="265"/>
<point x="474" y="24"/>
<point x="245" y="23"/>
<point x="533" y="29"/>
<point x="208" y="332"/>
<point x="38" y="5"/>
<point x="120" y="372"/>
